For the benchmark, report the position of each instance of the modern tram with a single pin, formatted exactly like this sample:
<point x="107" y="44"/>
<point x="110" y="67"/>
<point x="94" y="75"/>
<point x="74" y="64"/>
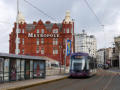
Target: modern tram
<point x="82" y="65"/>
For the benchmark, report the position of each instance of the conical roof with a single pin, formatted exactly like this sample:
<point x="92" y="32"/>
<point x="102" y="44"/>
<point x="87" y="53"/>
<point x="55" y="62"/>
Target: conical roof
<point x="21" y="18"/>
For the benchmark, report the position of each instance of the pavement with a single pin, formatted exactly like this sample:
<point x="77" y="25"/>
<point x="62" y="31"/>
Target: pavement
<point x="18" y="85"/>
<point x="114" y="70"/>
<point x="36" y="84"/>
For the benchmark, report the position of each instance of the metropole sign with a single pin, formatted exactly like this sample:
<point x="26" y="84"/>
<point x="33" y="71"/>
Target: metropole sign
<point x="43" y="35"/>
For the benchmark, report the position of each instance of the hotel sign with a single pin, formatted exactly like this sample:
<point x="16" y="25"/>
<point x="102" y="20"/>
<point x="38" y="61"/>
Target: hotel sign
<point x="43" y="35"/>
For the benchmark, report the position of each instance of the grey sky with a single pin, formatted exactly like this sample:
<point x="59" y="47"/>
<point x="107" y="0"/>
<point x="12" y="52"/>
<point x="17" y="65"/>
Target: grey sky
<point x="108" y="12"/>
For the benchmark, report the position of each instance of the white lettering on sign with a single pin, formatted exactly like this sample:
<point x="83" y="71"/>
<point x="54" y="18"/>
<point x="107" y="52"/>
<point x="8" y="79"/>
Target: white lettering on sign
<point x="43" y="35"/>
<point x="30" y="34"/>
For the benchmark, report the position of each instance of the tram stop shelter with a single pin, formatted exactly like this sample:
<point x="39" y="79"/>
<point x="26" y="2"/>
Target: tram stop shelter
<point x="21" y="67"/>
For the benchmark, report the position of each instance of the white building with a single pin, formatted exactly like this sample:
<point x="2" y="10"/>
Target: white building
<point x="85" y="43"/>
<point x="100" y="56"/>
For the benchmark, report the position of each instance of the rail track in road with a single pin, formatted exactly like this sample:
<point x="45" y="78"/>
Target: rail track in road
<point x="102" y="81"/>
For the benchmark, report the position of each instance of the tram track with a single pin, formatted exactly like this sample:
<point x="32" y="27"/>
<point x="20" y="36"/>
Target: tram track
<point x="86" y="87"/>
<point x="101" y="83"/>
<point x="79" y="82"/>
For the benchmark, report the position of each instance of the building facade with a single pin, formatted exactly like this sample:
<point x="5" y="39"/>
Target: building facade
<point x="100" y="56"/>
<point x="85" y="43"/>
<point x="43" y="39"/>
<point x="109" y="55"/>
<point x="116" y="57"/>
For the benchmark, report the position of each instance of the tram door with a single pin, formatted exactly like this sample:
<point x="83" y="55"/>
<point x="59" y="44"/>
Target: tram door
<point x="27" y="69"/>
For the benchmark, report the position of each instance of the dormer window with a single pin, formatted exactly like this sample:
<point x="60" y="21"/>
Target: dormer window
<point x="55" y="30"/>
<point x="19" y="31"/>
<point x="42" y="31"/>
<point x="23" y="31"/>
<point x="67" y="30"/>
<point x="37" y="30"/>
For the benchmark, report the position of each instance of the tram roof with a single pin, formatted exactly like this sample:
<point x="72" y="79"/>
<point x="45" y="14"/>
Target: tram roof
<point x="80" y="53"/>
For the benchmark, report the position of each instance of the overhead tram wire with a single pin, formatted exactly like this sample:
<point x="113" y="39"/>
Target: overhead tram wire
<point x="100" y="24"/>
<point x="93" y="12"/>
<point x="40" y="10"/>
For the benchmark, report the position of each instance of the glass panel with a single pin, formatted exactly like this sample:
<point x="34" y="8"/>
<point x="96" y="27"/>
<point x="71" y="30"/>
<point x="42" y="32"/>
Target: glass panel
<point x="38" y="69"/>
<point x="22" y="69"/>
<point x="31" y="69"/>
<point x="13" y="69"/>
<point x="22" y="65"/>
<point x="18" y="69"/>
<point x="6" y="70"/>
<point x="22" y="75"/>
<point x="31" y="65"/>
<point x="1" y="69"/>
<point x="6" y="65"/>
<point x="6" y="78"/>
<point x="27" y="69"/>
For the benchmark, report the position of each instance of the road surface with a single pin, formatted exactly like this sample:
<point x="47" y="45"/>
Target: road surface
<point x="101" y="81"/>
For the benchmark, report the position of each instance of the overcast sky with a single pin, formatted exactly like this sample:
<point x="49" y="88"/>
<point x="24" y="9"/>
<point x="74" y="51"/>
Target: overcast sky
<point x="108" y="11"/>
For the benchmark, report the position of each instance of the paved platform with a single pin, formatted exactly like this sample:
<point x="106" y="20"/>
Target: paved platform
<point x="17" y="85"/>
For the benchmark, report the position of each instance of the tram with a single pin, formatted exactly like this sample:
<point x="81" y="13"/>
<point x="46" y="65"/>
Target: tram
<point x="82" y="65"/>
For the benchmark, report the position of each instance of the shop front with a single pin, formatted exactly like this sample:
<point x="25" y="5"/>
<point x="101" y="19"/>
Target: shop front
<point x="21" y="67"/>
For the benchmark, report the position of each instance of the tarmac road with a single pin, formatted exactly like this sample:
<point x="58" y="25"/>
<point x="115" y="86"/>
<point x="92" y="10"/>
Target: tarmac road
<point x="101" y="81"/>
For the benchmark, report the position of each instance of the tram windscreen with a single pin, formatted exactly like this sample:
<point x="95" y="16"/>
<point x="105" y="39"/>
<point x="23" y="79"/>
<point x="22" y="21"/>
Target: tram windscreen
<point x="77" y="66"/>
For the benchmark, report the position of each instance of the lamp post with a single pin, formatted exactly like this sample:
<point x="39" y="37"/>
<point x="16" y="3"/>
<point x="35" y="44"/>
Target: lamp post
<point x="60" y="47"/>
<point x="17" y="28"/>
<point x="104" y="44"/>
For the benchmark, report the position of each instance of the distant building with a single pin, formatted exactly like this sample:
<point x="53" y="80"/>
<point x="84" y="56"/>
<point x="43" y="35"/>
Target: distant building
<point x="116" y="57"/>
<point x="43" y="39"/>
<point x="85" y="43"/>
<point x="109" y="55"/>
<point x="100" y="56"/>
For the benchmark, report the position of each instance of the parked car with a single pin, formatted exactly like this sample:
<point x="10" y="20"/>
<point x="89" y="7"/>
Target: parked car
<point x="105" y="66"/>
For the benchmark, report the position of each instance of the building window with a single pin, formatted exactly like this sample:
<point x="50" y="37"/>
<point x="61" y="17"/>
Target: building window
<point x="19" y="31"/>
<point x="37" y="50"/>
<point x="55" y="41"/>
<point x="55" y="51"/>
<point x="23" y="51"/>
<point x="67" y="30"/>
<point x="67" y="38"/>
<point x="42" y="50"/>
<point x="18" y="51"/>
<point x="42" y="31"/>
<point x="23" y="41"/>
<point x="18" y="40"/>
<point x="64" y="41"/>
<point x="42" y="40"/>
<point x="23" y="31"/>
<point x="37" y="41"/>
<point x="55" y="30"/>
<point x="37" y="30"/>
<point x="64" y="30"/>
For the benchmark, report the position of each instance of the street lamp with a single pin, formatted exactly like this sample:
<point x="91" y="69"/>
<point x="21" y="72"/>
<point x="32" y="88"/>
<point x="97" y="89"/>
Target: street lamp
<point x="17" y="28"/>
<point x="60" y="47"/>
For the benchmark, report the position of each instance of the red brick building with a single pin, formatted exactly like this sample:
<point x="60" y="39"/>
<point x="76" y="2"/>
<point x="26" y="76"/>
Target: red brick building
<point x="43" y="39"/>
